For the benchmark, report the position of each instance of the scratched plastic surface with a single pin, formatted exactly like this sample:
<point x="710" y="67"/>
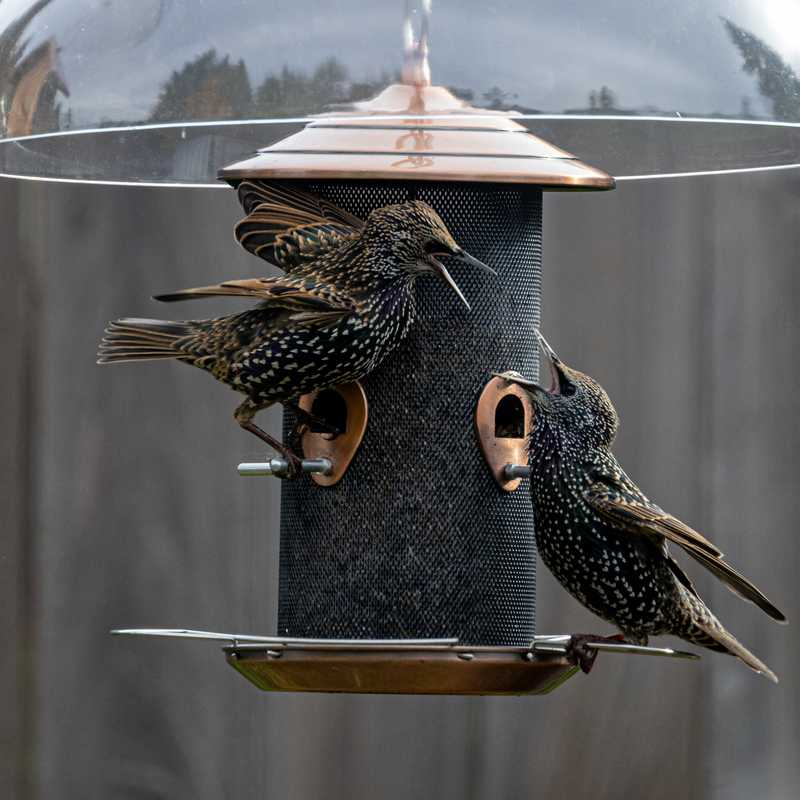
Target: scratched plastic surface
<point x="166" y="91"/>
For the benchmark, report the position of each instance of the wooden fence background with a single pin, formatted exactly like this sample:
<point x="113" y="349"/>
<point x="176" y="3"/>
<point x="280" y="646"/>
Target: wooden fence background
<point x="122" y="507"/>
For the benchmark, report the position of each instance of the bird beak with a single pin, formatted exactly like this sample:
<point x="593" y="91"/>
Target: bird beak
<point x="514" y="377"/>
<point x="463" y="255"/>
<point x="548" y="351"/>
<point x="448" y="279"/>
<point x="552" y="361"/>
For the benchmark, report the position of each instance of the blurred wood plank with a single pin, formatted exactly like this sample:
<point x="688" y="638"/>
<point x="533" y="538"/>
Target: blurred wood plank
<point x="752" y="469"/>
<point x="18" y="333"/>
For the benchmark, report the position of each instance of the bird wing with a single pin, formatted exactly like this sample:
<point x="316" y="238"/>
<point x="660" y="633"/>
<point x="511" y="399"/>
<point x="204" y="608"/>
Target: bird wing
<point x="622" y="506"/>
<point x="289" y="227"/>
<point x="633" y="513"/>
<point x="312" y="302"/>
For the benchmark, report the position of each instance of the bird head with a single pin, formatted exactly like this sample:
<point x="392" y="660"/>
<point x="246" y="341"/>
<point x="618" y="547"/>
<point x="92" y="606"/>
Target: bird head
<point x="411" y="237"/>
<point x="574" y="404"/>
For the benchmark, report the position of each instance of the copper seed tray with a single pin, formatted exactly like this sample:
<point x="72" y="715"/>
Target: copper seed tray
<point x="425" y="670"/>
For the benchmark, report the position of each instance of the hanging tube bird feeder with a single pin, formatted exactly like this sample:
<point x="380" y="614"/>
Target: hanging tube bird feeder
<point x="411" y="524"/>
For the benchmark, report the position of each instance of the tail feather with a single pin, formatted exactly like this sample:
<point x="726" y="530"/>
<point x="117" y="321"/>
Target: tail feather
<point x="143" y="340"/>
<point x="711" y="634"/>
<point x="738" y="584"/>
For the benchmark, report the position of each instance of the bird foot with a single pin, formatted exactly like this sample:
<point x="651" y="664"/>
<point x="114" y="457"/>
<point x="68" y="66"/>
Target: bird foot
<point x="584" y="656"/>
<point x="294" y="466"/>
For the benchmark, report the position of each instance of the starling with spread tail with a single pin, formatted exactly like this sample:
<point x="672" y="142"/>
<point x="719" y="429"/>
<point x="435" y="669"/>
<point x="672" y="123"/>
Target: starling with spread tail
<point x="346" y="301"/>
<point x="604" y="541"/>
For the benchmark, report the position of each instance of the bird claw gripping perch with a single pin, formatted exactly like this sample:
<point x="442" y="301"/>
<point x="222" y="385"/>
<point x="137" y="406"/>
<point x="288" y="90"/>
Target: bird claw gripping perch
<point x="581" y="652"/>
<point x="293" y="469"/>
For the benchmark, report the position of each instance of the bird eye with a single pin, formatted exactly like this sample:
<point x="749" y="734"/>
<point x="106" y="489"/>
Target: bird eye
<point x="566" y="388"/>
<point x="434" y="248"/>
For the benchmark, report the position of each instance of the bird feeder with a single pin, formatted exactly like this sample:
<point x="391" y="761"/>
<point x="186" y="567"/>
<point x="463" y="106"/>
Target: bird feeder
<point x="420" y="534"/>
<point x="407" y="555"/>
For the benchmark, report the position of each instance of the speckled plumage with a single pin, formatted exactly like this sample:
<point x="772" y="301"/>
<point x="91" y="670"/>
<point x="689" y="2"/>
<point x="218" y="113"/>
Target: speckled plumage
<point x="346" y="301"/>
<point x="603" y="540"/>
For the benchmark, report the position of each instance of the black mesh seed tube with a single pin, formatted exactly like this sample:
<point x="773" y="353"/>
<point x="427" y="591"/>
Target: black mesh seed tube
<point x="417" y="540"/>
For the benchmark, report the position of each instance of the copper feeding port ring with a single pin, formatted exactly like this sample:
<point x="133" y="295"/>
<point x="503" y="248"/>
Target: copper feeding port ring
<point x="503" y="423"/>
<point x="330" y="443"/>
<point x="345" y="408"/>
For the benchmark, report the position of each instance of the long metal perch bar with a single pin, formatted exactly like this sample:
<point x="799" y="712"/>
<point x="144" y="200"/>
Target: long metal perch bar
<point x="558" y="644"/>
<point x="277" y="467"/>
<point x="288" y="641"/>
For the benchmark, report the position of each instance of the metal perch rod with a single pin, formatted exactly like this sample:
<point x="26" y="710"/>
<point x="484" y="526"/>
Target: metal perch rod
<point x="560" y="644"/>
<point x="512" y="471"/>
<point x="180" y="633"/>
<point x="278" y="467"/>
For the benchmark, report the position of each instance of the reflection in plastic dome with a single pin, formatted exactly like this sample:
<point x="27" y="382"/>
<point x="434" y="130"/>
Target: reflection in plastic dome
<point x="83" y="65"/>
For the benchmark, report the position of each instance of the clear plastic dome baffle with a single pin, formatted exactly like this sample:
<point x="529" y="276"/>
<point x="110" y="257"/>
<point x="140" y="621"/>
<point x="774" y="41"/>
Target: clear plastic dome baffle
<point x="166" y="91"/>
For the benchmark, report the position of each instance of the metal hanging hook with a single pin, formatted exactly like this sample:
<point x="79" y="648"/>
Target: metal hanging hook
<point x="416" y="70"/>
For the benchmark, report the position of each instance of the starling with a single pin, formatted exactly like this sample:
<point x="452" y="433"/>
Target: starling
<point x="604" y="541"/>
<point x="346" y="301"/>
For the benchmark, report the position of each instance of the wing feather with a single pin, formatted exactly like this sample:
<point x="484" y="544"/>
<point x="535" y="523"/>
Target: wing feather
<point x="254" y="288"/>
<point x="313" y="303"/>
<point x="636" y="515"/>
<point x="627" y="508"/>
<point x="291" y="228"/>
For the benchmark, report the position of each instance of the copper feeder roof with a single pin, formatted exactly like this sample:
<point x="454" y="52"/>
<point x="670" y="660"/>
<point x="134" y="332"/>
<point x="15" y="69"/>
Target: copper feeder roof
<point x="421" y="133"/>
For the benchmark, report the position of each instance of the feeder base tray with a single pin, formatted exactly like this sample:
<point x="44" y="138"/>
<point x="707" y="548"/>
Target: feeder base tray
<point x="405" y="666"/>
<point x="454" y="670"/>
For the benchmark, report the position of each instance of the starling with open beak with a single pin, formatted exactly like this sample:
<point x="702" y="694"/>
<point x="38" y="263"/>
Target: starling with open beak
<point x="604" y="541"/>
<point x="346" y="301"/>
